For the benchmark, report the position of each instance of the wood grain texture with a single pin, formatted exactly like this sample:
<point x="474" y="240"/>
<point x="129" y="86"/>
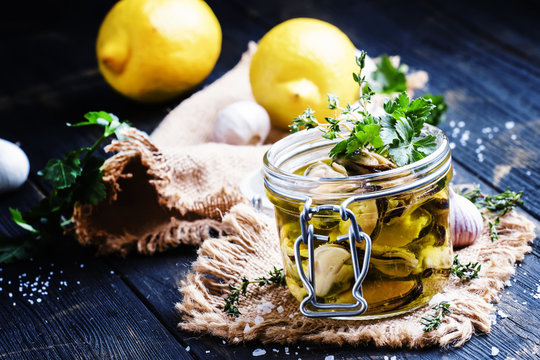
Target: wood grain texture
<point x="483" y="59"/>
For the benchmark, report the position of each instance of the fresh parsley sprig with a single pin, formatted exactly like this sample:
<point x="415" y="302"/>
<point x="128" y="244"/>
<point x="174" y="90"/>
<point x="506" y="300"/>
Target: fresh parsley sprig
<point x="433" y="321"/>
<point x="468" y="272"/>
<point x="276" y="277"/>
<point x="498" y="205"/>
<point x="388" y="79"/>
<point x="396" y="135"/>
<point x="75" y="179"/>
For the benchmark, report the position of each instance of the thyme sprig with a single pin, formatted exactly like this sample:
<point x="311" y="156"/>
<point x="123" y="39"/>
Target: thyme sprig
<point x="468" y="272"/>
<point x="433" y="321"/>
<point x="276" y="277"/>
<point x="498" y="205"/>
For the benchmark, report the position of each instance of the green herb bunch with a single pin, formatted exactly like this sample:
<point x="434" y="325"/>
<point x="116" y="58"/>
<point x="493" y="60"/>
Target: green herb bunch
<point x="75" y="179"/>
<point x="433" y="321"/>
<point x="396" y="135"/>
<point x="276" y="277"/>
<point x="496" y="205"/>
<point x="468" y="272"/>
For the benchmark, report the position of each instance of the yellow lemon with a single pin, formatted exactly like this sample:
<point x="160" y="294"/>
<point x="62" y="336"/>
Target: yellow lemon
<point x="153" y="50"/>
<point x="297" y="63"/>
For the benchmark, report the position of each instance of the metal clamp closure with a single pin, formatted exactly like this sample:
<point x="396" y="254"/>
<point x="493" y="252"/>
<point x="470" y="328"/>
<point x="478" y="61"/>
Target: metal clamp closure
<point x="355" y="235"/>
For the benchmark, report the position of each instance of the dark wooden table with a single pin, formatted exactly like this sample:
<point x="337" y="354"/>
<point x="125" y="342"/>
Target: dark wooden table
<point x="483" y="58"/>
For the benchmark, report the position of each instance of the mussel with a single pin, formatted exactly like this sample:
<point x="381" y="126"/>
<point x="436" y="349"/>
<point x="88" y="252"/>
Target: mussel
<point x="322" y="169"/>
<point x="393" y="262"/>
<point x="364" y="162"/>
<point x="405" y="229"/>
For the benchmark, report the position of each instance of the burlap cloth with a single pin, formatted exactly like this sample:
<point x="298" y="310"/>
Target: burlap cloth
<point x="176" y="187"/>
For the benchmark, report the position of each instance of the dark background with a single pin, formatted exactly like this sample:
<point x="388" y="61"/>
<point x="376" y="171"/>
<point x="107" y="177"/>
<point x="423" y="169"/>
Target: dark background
<point x="483" y="56"/>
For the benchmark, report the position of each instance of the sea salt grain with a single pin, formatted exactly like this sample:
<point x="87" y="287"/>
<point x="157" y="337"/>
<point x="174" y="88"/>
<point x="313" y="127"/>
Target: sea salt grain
<point x="502" y="314"/>
<point x="247" y="328"/>
<point x="329" y="357"/>
<point x="259" y="352"/>
<point x="494" y="351"/>
<point x="265" y="308"/>
<point x="509" y="125"/>
<point x="258" y="320"/>
<point x="280" y="309"/>
<point x="461" y="124"/>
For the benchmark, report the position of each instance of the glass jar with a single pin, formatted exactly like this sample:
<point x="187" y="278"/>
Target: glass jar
<point x="369" y="246"/>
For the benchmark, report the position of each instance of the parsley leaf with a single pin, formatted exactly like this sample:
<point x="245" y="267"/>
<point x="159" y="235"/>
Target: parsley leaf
<point x="387" y="78"/>
<point x="76" y="179"/>
<point x="62" y="173"/>
<point x="402" y="127"/>
<point x="437" y="114"/>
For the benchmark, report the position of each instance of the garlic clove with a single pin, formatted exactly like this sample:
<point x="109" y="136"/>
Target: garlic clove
<point x="14" y="166"/>
<point x="242" y="123"/>
<point x="465" y="220"/>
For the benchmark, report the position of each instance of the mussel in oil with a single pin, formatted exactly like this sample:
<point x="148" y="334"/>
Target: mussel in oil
<point x="393" y="262"/>
<point x="364" y="162"/>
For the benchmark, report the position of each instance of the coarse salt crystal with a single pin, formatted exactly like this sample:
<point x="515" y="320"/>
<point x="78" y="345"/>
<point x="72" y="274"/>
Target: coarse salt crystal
<point x="280" y="309"/>
<point x="236" y="339"/>
<point x="275" y="350"/>
<point x="290" y="316"/>
<point x="188" y="348"/>
<point x="507" y="283"/>
<point x="461" y="124"/>
<point x="38" y="300"/>
<point x="452" y="124"/>
<point x="494" y="351"/>
<point x="329" y="357"/>
<point x="265" y="308"/>
<point x="393" y="358"/>
<point x="259" y="352"/>
<point x="493" y="319"/>
<point x="502" y="314"/>
<point x="258" y="320"/>
<point x="207" y="351"/>
<point x="509" y="124"/>
<point x="246" y="328"/>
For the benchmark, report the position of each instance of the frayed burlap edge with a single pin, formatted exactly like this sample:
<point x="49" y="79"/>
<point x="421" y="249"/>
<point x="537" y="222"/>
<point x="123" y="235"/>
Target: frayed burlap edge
<point x="180" y="223"/>
<point x="270" y="314"/>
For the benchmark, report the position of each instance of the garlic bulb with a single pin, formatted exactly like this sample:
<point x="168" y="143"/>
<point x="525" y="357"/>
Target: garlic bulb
<point x="242" y="123"/>
<point x="465" y="220"/>
<point x="14" y="166"/>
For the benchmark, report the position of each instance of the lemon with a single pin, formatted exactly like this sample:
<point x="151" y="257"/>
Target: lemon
<point x="153" y="50"/>
<point x="297" y="63"/>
